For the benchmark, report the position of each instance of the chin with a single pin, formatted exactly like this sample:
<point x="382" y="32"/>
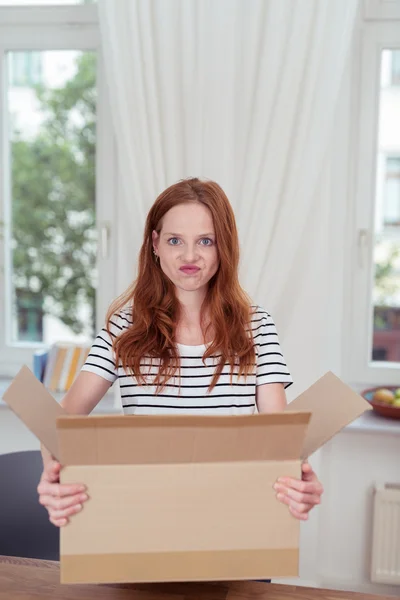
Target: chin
<point x="189" y="286"/>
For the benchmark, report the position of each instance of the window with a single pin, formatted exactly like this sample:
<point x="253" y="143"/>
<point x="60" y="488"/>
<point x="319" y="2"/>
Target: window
<point x="390" y="68"/>
<point x="395" y="68"/>
<point x="52" y="276"/>
<point x="25" y="69"/>
<point x="386" y="252"/>
<point x="374" y="349"/>
<point x="391" y="192"/>
<point x="52" y="147"/>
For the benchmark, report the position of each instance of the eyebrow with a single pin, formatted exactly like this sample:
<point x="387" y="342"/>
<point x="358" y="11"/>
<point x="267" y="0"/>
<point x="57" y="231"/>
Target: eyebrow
<point x="180" y="235"/>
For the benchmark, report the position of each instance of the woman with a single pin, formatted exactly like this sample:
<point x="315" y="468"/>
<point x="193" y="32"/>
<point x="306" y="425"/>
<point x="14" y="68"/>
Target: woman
<point x="184" y="338"/>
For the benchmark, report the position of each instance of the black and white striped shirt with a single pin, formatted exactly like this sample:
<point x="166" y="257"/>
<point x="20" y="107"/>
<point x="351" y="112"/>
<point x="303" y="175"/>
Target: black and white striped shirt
<point x="188" y="394"/>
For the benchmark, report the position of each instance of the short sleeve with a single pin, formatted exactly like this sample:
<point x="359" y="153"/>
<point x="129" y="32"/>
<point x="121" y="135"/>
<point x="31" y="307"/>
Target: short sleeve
<point x="271" y="364"/>
<point x="101" y="358"/>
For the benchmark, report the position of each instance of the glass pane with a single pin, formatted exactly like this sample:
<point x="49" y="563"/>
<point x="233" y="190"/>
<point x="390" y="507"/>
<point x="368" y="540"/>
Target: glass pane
<point x="391" y="192"/>
<point x="52" y="141"/>
<point x="386" y="292"/>
<point x="395" y="70"/>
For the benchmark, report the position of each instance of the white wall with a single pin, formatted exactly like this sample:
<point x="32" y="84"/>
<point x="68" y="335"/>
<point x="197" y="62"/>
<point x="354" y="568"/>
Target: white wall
<point x="352" y="464"/>
<point x="14" y="436"/>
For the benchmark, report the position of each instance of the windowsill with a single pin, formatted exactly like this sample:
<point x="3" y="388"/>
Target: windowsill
<point x="370" y="422"/>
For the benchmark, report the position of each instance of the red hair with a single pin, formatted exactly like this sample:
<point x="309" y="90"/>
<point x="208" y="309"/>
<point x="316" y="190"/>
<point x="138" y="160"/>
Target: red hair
<point x="156" y="310"/>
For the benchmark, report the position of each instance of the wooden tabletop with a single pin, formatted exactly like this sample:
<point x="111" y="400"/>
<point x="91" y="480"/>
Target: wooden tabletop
<point x="28" y="579"/>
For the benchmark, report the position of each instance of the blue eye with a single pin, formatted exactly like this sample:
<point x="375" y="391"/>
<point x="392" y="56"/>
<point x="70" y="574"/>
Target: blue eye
<point x="208" y="240"/>
<point x="173" y="241"/>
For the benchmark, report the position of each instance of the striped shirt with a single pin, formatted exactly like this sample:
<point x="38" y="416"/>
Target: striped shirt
<point x="188" y="394"/>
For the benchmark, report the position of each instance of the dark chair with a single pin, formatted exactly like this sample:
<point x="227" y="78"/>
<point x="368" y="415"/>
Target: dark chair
<point x="25" y="529"/>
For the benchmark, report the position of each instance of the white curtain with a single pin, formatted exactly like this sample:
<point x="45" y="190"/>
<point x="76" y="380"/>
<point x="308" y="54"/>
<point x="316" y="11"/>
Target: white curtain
<point x="243" y="92"/>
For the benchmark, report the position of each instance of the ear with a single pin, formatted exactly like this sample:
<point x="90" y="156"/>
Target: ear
<point x="156" y="239"/>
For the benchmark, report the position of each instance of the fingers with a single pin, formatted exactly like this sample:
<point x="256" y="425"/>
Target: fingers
<point x="300" y="497"/>
<point x="61" y="503"/>
<point x="307" y="472"/>
<point x="59" y="522"/>
<point x="60" y="515"/>
<point x="305" y="487"/>
<point x="51" y="471"/>
<point x="61" y="500"/>
<point x="299" y="515"/>
<point x="60" y="490"/>
<point x="300" y="508"/>
<point x="60" y="509"/>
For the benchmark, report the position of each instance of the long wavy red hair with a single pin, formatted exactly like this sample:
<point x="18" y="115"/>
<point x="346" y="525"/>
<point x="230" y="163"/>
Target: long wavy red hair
<point x="156" y="310"/>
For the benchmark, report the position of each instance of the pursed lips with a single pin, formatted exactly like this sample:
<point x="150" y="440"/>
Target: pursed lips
<point x="189" y="269"/>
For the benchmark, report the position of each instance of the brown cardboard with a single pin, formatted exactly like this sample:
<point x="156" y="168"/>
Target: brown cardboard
<point x="149" y="516"/>
<point x="333" y="405"/>
<point x="183" y="498"/>
<point x="164" y="488"/>
<point x="36" y="407"/>
<point x="129" y="439"/>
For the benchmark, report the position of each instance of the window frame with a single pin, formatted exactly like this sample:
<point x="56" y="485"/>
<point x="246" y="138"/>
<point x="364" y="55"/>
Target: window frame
<point x="42" y="28"/>
<point x="358" y="366"/>
<point x="382" y="9"/>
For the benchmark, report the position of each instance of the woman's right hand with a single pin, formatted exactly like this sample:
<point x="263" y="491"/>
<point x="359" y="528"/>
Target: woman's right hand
<point x="61" y="500"/>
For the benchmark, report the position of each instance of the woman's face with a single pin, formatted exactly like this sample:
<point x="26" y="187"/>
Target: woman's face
<point x="186" y="246"/>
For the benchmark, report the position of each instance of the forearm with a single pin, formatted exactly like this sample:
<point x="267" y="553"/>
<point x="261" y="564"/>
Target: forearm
<point x="46" y="456"/>
<point x="271" y="398"/>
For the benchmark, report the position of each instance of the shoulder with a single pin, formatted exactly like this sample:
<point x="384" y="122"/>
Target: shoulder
<point x="262" y="324"/>
<point x="259" y="316"/>
<point x="120" y="321"/>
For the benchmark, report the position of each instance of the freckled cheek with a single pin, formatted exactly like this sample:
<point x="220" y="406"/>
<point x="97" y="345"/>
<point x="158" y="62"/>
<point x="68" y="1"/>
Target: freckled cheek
<point x="212" y="263"/>
<point x="169" y="255"/>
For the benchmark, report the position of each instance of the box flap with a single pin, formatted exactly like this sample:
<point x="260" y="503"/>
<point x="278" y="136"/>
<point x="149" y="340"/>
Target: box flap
<point x="107" y="440"/>
<point x="333" y="405"/>
<point x="36" y="407"/>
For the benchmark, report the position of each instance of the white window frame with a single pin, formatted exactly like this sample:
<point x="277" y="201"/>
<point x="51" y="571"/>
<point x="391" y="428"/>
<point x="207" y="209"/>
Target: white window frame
<point x="376" y="36"/>
<point x="72" y="27"/>
<point x="382" y="9"/>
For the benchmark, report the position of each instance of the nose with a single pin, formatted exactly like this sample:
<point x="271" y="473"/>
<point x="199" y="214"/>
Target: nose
<point x="190" y="253"/>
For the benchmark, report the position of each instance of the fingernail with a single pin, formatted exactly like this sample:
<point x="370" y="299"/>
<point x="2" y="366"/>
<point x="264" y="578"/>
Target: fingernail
<point x="82" y="488"/>
<point x="280" y="496"/>
<point x="83" y="497"/>
<point x="275" y="486"/>
<point x="282" y="480"/>
<point x="78" y="507"/>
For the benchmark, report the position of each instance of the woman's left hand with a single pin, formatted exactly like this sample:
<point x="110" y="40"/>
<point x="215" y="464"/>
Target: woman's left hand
<point x="301" y="495"/>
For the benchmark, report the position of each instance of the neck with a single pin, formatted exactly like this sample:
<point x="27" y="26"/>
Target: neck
<point x="191" y="303"/>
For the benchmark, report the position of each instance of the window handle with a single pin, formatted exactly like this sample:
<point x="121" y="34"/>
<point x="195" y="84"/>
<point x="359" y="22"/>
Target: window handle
<point x="105" y="240"/>
<point x="362" y="247"/>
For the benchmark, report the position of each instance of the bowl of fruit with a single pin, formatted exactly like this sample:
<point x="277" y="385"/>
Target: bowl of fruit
<point x="384" y="400"/>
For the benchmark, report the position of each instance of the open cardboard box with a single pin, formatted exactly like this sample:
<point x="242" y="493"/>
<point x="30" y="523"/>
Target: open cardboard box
<point x="179" y="498"/>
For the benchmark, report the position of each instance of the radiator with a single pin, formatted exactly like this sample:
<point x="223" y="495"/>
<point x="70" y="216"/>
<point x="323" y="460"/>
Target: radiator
<point x="385" y="564"/>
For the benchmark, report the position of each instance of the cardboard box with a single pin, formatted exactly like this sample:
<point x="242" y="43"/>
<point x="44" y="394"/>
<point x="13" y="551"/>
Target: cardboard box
<point x="182" y="498"/>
